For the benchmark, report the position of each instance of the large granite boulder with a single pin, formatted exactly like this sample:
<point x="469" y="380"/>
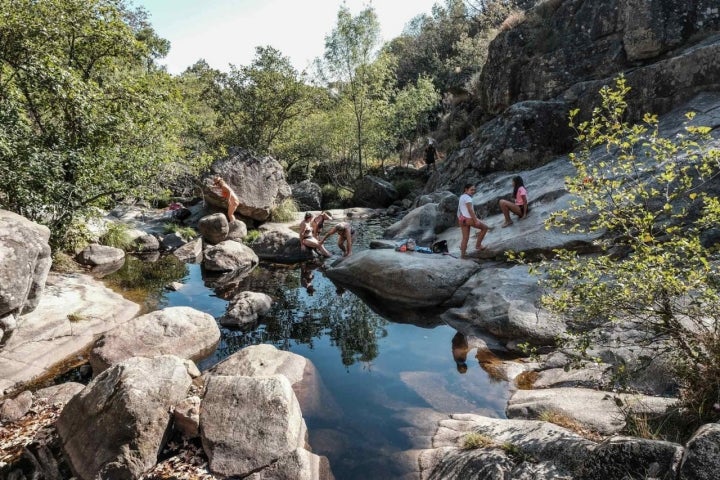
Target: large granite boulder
<point x="245" y="308"/>
<point x="409" y="280"/>
<point x="259" y="183"/>
<point x="702" y="454"/>
<point x="229" y="255"/>
<point x="526" y="135"/>
<point x="280" y="244"/>
<point x="214" y="228"/>
<point x="505" y="302"/>
<point x="180" y="331"/>
<point x="247" y="423"/>
<point x="191" y="252"/>
<point x="374" y="192"/>
<point x="307" y="195"/>
<point x="116" y="426"/>
<point x="100" y="255"/>
<point x="418" y="224"/>
<point x="24" y="263"/>
<point x="266" y="360"/>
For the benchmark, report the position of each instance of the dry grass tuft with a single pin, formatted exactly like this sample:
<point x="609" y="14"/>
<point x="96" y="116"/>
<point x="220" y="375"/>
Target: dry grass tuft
<point x="526" y="380"/>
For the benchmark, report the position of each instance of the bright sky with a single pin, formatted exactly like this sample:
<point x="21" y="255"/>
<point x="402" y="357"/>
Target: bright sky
<point x="227" y="31"/>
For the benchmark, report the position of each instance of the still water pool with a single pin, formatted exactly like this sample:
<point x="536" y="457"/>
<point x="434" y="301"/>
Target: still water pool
<point x="385" y="377"/>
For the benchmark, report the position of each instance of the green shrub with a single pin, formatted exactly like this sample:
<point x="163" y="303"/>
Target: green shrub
<point x="285" y="211"/>
<point x="116" y="235"/>
<point x="187" y="233"/>
<point x="63" y="263"/>
<point x="474" y="440"/>
<point x="75" y="238"/>
<point x="251" y="237"/>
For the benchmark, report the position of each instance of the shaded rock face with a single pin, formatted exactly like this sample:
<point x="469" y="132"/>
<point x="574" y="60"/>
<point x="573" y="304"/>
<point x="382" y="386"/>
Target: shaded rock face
<point x="24" y="264"/>
<point x="181" y="331"/>
<point x="281" y="245"/>
<point x="418" y="224"/>
<point x="526" y="135"/>
<point x="623" y="457"/>
<point x="702" y="454"/>
<point x="569" y="42"/>
<point x="307" y="195"/>
<point x="259" y="183"/>
<point x="116" y="426"/>
<point x="374" y="192"/>
<point x="560" y="56"/>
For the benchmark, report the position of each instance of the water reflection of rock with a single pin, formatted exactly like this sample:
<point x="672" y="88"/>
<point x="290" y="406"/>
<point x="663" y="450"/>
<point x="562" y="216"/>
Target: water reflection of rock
<point x="226" y="285"/>
<point x="425" y="318"/>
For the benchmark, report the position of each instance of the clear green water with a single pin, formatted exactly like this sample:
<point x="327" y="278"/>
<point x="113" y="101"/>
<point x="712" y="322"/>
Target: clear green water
<point x="385" y="377"/>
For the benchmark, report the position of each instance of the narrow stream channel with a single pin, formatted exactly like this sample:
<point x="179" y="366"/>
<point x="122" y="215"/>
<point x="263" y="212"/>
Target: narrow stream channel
<point x="385" y="377"/>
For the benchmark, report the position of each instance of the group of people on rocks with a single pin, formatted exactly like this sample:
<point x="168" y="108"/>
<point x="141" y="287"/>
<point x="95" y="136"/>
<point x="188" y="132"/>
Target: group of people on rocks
<point x="467" y="218"/>
<point x="310" y="229"/>
<point x="311" y="226"/>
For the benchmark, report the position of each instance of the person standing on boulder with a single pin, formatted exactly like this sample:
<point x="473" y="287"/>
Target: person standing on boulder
<point x="467" y="218"/>
<point x="224" y="190"/>
<point x="431" y="155"/>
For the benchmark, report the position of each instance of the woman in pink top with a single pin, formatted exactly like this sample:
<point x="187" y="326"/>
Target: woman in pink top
<point x="520" y="207"/>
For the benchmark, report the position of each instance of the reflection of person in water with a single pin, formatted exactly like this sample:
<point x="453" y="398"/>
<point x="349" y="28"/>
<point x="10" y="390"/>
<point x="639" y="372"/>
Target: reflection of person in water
<point x="459" y="351"/>
<point x="306" y="278"/>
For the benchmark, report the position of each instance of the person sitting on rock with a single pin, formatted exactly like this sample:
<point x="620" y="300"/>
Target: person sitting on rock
<point x="520" y="205"/>
<point x="224" y="190"/>
<point x="345" y="233"/>
<point x="319" y="221"/>
<point x="308" y="239"/>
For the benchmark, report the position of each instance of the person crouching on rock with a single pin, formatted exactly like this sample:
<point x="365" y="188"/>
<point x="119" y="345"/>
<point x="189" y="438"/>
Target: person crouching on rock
<point x="345" y="233"/>
<point x="308" y="239"/>
<point x="224" y="190"/>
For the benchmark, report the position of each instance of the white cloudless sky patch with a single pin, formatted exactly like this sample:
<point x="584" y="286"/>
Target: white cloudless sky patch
<point x="226" y="32"/>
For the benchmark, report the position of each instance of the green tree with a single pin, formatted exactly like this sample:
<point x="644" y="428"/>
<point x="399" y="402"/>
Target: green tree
<point x="648" y="195"/>
<point x="84" y="115"/>
<point x="349" y="52"/>
<point x="256" y="102"/>
<point x="413" y="108"/>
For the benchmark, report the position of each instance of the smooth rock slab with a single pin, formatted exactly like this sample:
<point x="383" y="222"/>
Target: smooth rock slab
<point x="181" y="331"/>
<point x="115" y="428"/>
<point x="249" y="423"/>
<point x="600" y="411"/>
<point x="72" y="312"/>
